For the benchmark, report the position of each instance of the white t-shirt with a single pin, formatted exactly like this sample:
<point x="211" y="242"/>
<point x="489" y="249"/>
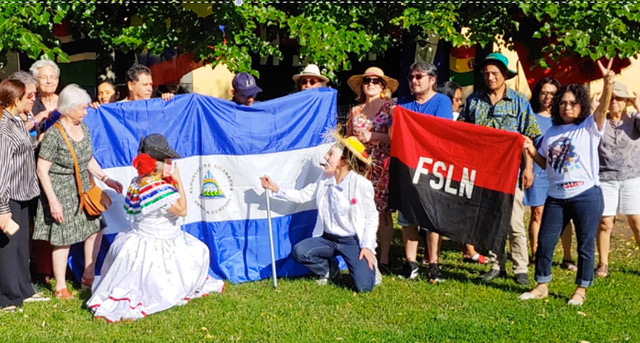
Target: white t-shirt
<point x="572" y="157"/>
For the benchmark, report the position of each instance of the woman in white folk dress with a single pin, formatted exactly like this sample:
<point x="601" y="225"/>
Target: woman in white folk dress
<point x="154" y="265"/>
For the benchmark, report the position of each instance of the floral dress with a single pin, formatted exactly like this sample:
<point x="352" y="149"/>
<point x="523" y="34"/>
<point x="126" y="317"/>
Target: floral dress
<point x="379" y="151"/>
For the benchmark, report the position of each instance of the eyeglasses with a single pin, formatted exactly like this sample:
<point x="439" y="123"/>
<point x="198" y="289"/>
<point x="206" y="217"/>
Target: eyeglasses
<point x="375" y="81"/>
<point x="416" y="76"/>
<point x="547" y="94"/>
<point x="570" y="103"/>
<point x="619" y="98"/>
<point x="303" y="81"/>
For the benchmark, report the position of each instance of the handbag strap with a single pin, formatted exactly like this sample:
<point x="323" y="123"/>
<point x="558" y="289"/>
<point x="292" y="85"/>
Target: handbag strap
<point x="75" y="166"/>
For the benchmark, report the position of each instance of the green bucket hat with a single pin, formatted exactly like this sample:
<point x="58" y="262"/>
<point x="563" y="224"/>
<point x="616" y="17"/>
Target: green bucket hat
<point x="496" y="57"/>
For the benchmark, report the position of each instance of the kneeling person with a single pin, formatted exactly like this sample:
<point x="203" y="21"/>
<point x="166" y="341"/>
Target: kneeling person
<point x="347" y="216"/>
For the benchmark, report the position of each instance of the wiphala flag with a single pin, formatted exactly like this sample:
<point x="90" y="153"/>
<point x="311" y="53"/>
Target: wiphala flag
<point x="455" y="178"/>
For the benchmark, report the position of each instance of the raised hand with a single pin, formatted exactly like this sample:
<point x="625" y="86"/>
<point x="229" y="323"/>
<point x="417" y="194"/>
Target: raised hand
<point x="607" y="73"/>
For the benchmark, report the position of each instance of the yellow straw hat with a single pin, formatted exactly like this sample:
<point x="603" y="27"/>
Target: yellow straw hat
<point x="355" y="81"/>
<point x="355" y="146"/>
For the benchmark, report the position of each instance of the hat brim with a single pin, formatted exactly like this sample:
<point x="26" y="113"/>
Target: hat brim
<point x="321" y="77"/>
<point x="250" y="92"/>
<point x="343" y="141"/>
<point x="510" y="73"/>
<point x="162" y="154"/>
<point x="623" y="95"/>
<point x="355" y="83"/>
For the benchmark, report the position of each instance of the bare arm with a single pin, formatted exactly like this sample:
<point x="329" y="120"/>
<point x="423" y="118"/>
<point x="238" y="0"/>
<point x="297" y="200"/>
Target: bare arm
<point x="600" y="112"/>
<point x="532" y="153"/>
<point x="179" y="208"/>
<point x="55" y="207"/>
<point x="98" y="173"/>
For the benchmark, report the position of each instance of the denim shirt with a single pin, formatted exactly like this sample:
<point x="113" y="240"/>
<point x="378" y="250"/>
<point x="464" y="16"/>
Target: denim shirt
<point x="511" y="113"/>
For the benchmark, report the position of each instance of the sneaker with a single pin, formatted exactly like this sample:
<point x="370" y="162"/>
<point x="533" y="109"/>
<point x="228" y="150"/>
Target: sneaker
<point x="492" y="274"/>
<point x="435" y="274"/>
<point x="521" y="278"/>
<point x="322" y="281"/>
<point x="410" y="270"/>
<point x="384" y="269"/>
<point x="36" y="297"/>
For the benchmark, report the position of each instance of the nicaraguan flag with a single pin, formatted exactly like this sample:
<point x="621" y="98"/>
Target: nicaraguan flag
<point x="225" y="148"/>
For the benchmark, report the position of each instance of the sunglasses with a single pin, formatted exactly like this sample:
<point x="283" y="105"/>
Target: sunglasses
<point x="375" y="81"/>
<point x="303" y="81"/>
<point x="416" y="76"/>
<point x="615" y="98"/>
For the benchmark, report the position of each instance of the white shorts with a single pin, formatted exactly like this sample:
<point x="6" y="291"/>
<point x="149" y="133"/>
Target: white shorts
<point x="621" y="195"/>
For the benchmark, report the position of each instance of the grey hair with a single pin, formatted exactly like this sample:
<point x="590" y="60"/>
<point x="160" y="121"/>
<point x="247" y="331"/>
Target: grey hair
<point x="43" y="63"/>
<point x="25" y="77"/>
<point x="425" y="67"/>
<point x="71" y="97"/>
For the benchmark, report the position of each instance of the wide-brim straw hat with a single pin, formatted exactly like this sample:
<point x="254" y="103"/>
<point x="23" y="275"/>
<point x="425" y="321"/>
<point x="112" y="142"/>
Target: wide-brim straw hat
<point x="620" y="90"/>
<point x="355" y="81"/>
<point x="310" y="70"/>
<point x="355" y="146"/>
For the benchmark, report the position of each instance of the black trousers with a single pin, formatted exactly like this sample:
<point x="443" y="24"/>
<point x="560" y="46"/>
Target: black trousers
<point x="15" y="279"/>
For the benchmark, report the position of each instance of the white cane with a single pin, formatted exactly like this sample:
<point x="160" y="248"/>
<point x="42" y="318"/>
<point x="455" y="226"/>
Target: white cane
<point x="273" y="255"/>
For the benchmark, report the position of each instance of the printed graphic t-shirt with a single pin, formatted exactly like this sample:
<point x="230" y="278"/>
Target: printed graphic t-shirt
<point x="572" y="157"/>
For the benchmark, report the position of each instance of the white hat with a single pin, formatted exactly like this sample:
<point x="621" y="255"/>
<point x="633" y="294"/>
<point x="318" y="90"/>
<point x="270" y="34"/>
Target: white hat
<point x="311" y="70"/>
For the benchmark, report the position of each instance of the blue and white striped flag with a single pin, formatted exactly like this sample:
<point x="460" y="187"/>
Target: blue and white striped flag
<point x="225" y="148"/>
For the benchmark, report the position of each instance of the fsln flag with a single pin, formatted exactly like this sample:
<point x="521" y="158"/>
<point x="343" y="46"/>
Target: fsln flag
<point x="225" y="148"/>
<point x="455" y="178"/>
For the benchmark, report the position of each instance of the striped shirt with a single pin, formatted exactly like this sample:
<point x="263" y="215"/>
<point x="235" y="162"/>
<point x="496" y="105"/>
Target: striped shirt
<point x="18" y="180"/>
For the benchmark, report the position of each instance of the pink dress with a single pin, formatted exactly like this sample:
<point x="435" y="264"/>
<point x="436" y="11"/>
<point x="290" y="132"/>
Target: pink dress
<point x="379" y="151"/>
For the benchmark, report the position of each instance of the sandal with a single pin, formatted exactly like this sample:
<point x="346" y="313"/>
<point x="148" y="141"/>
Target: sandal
<point x="477" y="258"/>
<point x="63" y="294"/>
<point x="534" y="294"/>
<point x="569" y="265"/>
<point x="578" y="302"/>
<point x="10" y="309"/>
<point x="602" y="270"/>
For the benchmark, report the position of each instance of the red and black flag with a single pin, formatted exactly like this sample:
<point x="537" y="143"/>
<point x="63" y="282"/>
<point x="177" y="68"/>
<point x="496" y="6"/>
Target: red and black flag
<point x="455" y="178"/>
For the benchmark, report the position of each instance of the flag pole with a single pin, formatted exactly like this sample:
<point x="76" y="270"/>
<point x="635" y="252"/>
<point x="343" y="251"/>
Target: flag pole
<point x="273" y="255"/>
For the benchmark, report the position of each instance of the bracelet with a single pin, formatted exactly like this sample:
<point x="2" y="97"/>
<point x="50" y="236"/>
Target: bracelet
<point x="104" y="178"/>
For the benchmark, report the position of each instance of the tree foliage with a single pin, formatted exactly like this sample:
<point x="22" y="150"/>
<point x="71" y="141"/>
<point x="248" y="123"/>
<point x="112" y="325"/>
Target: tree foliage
<point x="331" y="34"/>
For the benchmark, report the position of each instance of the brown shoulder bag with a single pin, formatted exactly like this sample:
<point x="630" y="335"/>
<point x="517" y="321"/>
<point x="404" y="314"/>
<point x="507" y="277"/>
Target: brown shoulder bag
<point x="94" y="201"/>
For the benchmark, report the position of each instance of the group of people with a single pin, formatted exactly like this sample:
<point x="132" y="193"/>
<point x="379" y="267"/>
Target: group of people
<point x="583" y="149"/>
<point x="586" y="149"/>
<point x="48" y="169"/>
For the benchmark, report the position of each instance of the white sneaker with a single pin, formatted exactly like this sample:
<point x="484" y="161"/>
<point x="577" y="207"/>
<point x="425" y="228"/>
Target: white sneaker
<point x="36" y="297"/>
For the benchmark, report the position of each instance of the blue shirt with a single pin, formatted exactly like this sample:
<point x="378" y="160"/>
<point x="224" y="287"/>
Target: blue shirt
<point x="439" y="105"/>
<point x="511" y="113"/>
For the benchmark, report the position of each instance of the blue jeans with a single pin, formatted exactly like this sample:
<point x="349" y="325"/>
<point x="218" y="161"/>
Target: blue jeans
<point x="315" y="253"/>
<point x="585" y="209"/>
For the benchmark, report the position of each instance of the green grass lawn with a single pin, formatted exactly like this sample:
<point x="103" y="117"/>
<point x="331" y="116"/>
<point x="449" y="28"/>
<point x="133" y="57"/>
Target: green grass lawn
<point x="461" y="309"/>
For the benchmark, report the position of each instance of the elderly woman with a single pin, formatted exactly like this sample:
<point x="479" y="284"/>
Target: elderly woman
<point x="134" y="282"/>
<point x="569" y="153"/>
<point x="59" y="221"/>
<point x="619" y="155"/>
<point x="18" y="195"/>
<point x="48" y="74"/>
<point x="347" y="216"/>
<point x="541" y="101"/>
<point x="370" y="121"/>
